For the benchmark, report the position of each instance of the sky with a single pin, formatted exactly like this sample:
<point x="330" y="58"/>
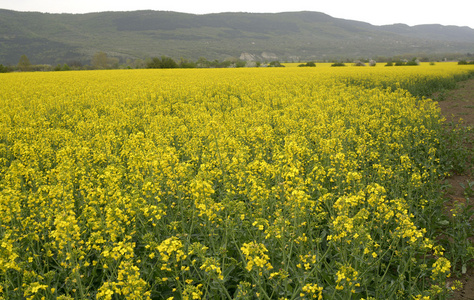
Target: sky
<point x="410" y="12"/>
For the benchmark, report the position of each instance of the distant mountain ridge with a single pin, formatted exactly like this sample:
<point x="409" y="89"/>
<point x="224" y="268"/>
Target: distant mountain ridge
<point x="59" y="38"/>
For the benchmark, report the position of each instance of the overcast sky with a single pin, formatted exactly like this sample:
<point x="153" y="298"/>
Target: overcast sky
<point x="411" y="12"/>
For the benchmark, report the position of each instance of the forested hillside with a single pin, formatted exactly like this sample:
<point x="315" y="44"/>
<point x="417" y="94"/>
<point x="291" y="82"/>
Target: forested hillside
<point x="292" y="36"/>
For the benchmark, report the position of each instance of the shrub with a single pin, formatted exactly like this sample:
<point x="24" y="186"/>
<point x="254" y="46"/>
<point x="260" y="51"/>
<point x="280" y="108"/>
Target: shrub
<point x="4" y="69"/>
<point x="308" y="64"/>
<point x="412" y="63"/>
<point x="359" y="63"/>
<point x="275" y="63"/>
<point x="163" y="63"/>
<point x="240" y="64"/>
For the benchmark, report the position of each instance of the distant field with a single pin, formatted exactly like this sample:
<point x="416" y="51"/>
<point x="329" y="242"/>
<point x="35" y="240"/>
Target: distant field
<point x="378" y="64"/>
<point x="266" y="183"/>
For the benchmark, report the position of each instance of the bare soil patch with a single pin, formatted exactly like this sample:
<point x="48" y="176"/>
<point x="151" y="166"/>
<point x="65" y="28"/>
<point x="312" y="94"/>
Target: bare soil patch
<point x="459" y="103"/>
<point x="457" y="106"/>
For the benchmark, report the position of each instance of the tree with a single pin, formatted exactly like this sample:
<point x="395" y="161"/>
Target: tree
<point x="308" y="64"/>
<point x="5" y="69"/>
<point x="100" y="60"/>
<point x="139" y="63"/>
<point x="65" y="67"/>
<point x="240" y="64"/>
<point x="168" y="63"/>
<point x="359" y="63"/>
<point x="203" y="63"/>
<point x="275" y="63"/>
<point x="186" y="64"/>
<point x="24" y="64"/>
<point x="135" y="64"/>
<point x="163" y="63"/>
<point x="75" y="64"/>
<point x="155" y="63"/>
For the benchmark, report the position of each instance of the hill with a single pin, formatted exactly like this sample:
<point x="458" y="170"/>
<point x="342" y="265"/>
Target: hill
<point x="59" y="38"/>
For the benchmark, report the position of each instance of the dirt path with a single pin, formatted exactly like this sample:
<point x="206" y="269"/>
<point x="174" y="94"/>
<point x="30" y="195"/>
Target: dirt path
<point x="459" y="103"/>
<point x="458" y="106"/>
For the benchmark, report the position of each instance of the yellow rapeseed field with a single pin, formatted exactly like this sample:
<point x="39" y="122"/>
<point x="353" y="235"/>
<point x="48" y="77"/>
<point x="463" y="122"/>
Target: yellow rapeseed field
<point x="263" y="183"/>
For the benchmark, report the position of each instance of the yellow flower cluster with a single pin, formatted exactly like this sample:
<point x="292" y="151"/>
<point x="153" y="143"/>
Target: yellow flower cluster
<point x="210" y="266"/>
<point x="192" y="292"/>
<point x="255" y="254"/>
<point x="347" y="277"/>
<point x="129" y="284"/>
<point x="151" y="183"/>
<point x="171" y="247"/>
<point x="312" y="291"/>
<point x="441" y="267"/>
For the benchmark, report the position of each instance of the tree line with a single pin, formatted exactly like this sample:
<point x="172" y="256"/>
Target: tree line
<point x="101" y="61"/>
